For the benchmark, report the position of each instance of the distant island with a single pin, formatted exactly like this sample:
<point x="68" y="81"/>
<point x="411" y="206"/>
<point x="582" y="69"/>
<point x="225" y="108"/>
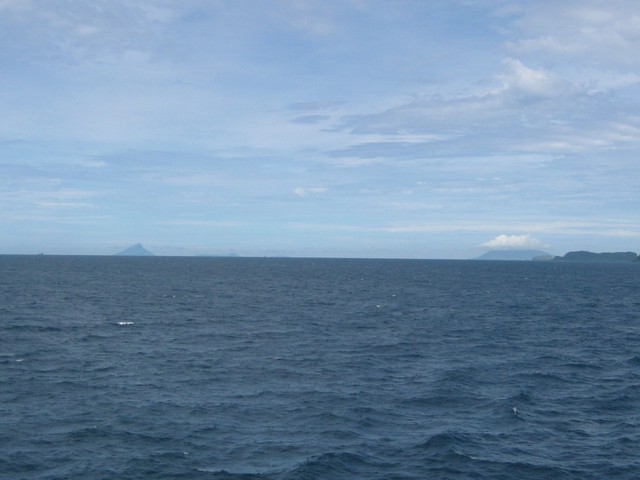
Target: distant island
<point x="136" y="250"/>
<point x="584" y="256"/>
<point x="515" y="255"/>
<point x="578" y="256"/>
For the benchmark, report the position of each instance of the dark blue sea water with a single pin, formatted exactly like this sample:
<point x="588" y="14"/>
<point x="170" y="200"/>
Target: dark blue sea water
<point x="234" y="368"/>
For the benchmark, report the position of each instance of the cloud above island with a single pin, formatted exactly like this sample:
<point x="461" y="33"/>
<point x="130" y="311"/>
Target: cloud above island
<point x="513" y="242"/>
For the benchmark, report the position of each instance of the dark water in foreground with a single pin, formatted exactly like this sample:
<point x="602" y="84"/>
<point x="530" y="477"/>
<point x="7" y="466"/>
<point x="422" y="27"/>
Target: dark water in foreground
<point x="204" y="368"/>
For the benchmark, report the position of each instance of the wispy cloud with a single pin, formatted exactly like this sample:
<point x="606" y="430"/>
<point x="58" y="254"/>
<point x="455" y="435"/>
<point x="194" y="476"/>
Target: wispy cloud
<point x="310" y="119"/>
<point x="589" y="31"/>
<point x="59" y="204"/>
<point x="306" y="191"/>
<point x="530" y="82"/>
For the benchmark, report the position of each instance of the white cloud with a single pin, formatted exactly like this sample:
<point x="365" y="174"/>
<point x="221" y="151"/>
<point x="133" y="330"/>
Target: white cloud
<point x="529" y="81"/>
<point x="202" y="223"/>
<point x="514" y="241"/>
<point x="303" y="192"/>
<point x="587" y="31"/>
<point x="521" y="109"/>
<point x="47" y="204"/>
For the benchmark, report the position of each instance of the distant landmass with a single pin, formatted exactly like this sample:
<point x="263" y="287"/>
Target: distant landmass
<point x="515" y="255"/>
<point x="136" y="250"/>
<point x="584" y="256"/>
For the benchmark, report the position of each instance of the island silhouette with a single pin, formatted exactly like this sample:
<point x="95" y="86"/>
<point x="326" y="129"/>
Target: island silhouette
<point x="574" y="256"/>
<point x="136" y="250"/>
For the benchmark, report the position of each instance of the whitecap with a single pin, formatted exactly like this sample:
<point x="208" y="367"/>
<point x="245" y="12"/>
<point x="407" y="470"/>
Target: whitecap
<point x="125" y="323"/>
<point x="460" y="454"/>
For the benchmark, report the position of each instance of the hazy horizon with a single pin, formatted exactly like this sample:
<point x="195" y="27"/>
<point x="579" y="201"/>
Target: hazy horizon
<point x="351" y="128"/>
<point x="485" y="255"/>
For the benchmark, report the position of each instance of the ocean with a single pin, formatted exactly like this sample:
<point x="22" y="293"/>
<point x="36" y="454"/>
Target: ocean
<point x="285" y="368"/>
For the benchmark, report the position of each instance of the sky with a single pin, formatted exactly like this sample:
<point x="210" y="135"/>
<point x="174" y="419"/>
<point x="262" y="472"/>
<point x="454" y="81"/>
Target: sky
<point x="319" y="128"/>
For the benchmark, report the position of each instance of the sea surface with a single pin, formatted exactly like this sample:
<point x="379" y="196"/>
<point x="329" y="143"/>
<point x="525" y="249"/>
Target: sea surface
<point x="283" y="369"/>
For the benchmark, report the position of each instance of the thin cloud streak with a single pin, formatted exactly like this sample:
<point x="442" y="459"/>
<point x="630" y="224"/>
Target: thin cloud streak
<point x="621" y="229"/>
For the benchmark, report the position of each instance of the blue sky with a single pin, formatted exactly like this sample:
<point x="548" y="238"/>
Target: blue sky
<point x="348" y="128"/>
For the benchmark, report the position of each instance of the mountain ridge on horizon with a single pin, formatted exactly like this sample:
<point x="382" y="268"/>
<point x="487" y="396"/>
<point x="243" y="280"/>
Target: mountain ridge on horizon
<point x="136" y="250"/>
<point x="513" y="254"/>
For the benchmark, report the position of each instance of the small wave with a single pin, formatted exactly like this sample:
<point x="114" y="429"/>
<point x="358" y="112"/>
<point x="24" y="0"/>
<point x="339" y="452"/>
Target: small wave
<point x="513" y="407"/>
<point x="221" y="474"/>
<point x="33" y="328"/>
<point x="85" y="433"/>
<point x="462" y="455"/>
<point x="343" y="465"/>
<point x="441" y="400"/>
<point x="446" y="442"/>
<point x="582" y="366"/>
<point x="10" y="358"/>
<point x="544" y="379"/>
<point x="523" y="397"/>
<point x="622" y="400"/>
<point x="635" y="360"/>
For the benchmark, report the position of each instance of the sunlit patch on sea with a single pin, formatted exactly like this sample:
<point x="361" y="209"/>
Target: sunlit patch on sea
<point x="237" y="368"/>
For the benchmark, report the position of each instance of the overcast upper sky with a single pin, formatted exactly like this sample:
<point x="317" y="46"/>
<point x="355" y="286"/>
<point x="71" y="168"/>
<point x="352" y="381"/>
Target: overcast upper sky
<point x="358" y="128"/>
